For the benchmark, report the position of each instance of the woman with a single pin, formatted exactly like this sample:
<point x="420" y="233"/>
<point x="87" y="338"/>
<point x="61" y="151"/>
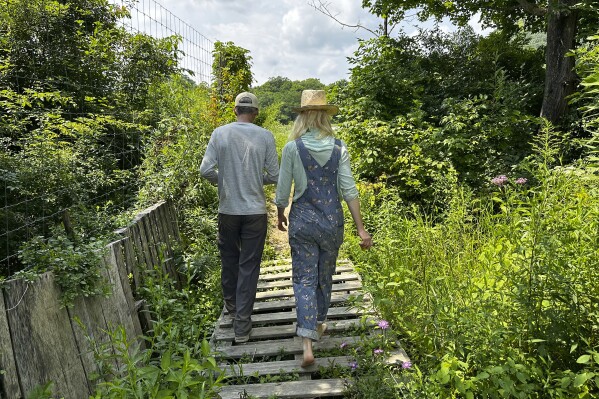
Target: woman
<point x="318" y="165"/>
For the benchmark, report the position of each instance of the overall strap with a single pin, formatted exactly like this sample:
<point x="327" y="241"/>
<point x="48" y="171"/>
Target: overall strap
<point x="311" y="166"/>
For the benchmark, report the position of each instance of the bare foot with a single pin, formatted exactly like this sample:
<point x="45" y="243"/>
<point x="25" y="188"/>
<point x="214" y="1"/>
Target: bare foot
<point x="308" y="361"/>
<point x="308" y="355"/>
<point x="320" y="329"/>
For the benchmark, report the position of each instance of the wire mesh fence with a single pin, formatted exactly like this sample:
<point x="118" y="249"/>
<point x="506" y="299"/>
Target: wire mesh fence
<point x="152" y="18"/>
<point x="74" y="78"/>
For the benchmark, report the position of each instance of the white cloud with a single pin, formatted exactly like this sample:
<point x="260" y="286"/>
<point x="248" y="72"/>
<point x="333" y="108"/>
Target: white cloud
<point x="285" y="37"/>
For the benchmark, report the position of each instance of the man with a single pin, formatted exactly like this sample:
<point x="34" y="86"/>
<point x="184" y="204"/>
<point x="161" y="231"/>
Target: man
<point x="241" y="158"/>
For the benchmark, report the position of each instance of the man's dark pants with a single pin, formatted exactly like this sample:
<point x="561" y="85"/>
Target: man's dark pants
<point x="241" y="243"/>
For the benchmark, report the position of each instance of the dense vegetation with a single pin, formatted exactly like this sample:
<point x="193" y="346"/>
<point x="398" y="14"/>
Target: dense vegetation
<point x="484" y="215"/>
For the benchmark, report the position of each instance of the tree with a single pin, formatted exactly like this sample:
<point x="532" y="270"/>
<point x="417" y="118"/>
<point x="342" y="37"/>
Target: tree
<point x="562" y="20"/>
<point x="285" y="94"/>
<point x="231" y="69"/>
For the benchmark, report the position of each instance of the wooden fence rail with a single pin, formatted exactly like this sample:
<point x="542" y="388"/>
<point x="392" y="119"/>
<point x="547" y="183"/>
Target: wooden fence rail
<point x="40" y="341"/>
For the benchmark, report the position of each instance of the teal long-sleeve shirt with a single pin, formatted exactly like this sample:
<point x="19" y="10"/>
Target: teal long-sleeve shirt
<point x="292" y="170"/>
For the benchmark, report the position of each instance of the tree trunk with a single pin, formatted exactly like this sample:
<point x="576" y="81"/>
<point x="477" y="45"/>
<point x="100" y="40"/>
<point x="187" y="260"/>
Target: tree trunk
<point x="560" y="78"/>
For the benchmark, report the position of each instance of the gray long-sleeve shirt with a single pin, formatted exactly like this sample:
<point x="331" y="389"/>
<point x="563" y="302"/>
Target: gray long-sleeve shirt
<point x="241" y="158"/>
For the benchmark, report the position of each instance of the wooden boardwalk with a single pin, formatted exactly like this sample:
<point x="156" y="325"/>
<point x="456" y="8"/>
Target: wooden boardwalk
<point x="268" y="366"/>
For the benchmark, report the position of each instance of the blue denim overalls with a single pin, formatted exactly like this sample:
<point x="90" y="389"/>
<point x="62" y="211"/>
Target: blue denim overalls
<point x="315" y="235"/>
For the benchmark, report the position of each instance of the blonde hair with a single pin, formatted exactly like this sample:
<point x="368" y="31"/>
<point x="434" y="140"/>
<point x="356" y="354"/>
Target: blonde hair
<point x="312" y="119"/>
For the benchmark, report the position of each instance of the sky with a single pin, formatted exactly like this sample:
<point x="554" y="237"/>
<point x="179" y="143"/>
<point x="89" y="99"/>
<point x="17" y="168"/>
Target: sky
<point x="286" y="38"/>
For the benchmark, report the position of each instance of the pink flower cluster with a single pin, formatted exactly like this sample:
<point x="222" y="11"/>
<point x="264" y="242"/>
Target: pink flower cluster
<point x="502" y="180"/>
<point x="499" y="180"/>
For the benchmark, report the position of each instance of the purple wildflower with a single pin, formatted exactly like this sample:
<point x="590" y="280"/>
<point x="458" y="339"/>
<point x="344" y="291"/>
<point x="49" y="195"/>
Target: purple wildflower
<point x="343" y="345"/>
<point x="378" y="351"/>
<point x="353" y="365"/>
<point x="406" y="365"/>
<point x="521" y="180"/>
<point x="383" y="324"/>
<point x="499" y="180"/>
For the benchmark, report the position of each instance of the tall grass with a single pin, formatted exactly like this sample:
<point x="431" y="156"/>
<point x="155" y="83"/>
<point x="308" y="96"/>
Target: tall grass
<point x="501" y="297"/>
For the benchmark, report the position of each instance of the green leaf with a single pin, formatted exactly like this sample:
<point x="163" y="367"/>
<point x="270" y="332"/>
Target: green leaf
<point x="581" y="379"/>
<point x="584" y="359"/>
<point x="165" y="362"/>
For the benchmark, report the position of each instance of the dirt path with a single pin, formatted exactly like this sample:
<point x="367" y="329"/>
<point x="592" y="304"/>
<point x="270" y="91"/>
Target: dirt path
<point x="276" y="238"/>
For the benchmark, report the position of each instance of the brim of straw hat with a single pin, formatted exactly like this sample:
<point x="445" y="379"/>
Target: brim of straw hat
<point x="331" y="109"/>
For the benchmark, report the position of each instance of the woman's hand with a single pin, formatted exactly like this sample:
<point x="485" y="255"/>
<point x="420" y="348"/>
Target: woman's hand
<point x="366" y="240"/>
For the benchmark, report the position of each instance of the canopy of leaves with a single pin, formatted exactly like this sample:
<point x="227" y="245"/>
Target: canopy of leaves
<point x="285" y="94"/>
<point x="73" y="84"/>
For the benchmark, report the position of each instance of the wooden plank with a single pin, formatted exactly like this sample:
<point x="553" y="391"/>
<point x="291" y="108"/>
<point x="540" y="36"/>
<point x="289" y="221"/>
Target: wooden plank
<point x="118" y="262"/>
<point x="159" y="219"/>
<point x="351" y="286"/>
<point x="290" y="316"/>
<point x="144" y="224"/>
<point x="288" y="283"/>
<point x="9" y="381"/>
<point x="276" y="347"/>
<point x="283" y="275"/>
<point x="259" y="333"/>
<point x="44" y="346"/>
<point x="286" y="390"/>
<point x="282" y="366"/>
<point x="162" y="221"/>
<point x="116" y="307"/>
<point x="336" y="298"/>
<point x="285" y="265"/>
<point x="99" y="315"/>
<point x="172" y="216"/>
<point x="90" y="328"/>
<point x="143" y="257"/>
<point x="160" y="240"/>
<point x="132" y="264"/>
<point x="141" y="231"/>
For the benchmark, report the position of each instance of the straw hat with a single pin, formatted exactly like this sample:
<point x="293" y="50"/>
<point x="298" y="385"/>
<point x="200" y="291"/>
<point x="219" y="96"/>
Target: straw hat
<point x="316" y="99"/>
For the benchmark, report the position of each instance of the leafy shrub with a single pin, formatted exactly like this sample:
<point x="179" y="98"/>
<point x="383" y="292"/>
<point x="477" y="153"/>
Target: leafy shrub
<point x="399" y="153"/>
<point x="78" y="269"/>
<point x="498" y="299"/>
<point x="483" y="135"/>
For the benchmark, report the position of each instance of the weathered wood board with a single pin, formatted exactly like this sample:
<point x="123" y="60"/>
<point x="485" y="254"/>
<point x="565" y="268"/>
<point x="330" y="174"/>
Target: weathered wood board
<point x="274" y="348"/>
<point x="287" y="274"/>
<point x="44" y="346"/>
<point x="290" y="316"/>
<point x="9" y="381"/>
<point x="284" y="283"/>
<point x="273" y="294"/>
<point x="287" y="390"/>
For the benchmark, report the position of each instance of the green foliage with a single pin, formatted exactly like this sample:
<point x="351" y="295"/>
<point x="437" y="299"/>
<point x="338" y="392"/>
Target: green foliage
<point x="45" y="391"/>
<point x="508" y="15"/>
<point x="460" y="107"/>
<point x="231" y="70"/>
<point x="78" y="269"/>
<point x="170" y="375"/>
<point x="176" y="359"/>
<point x="400" y="154"/>
<point x="436" y="66"/>
<point x="73" y="83"/>
<point x="484" y="134"/>
<point x="498" y="300"/>
<point x="587" y="99"/>
<point x="285" y="94"/>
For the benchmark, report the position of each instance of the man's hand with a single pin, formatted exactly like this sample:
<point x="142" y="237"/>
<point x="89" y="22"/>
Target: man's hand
<point x="282" y="225"/>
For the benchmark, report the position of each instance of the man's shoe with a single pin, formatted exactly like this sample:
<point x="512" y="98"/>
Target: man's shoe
<point x="242" y="339"/>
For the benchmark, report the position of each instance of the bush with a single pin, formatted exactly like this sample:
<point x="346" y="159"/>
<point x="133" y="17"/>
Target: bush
<point x="499" y="299"/>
